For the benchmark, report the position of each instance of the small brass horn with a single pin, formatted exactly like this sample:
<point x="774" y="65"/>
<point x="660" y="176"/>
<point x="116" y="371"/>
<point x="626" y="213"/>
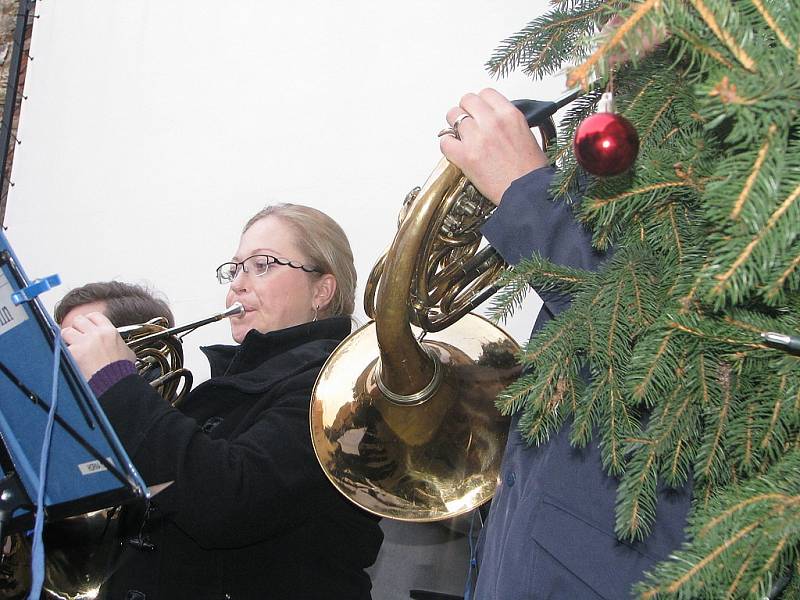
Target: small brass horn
<point x="159" y="352"/>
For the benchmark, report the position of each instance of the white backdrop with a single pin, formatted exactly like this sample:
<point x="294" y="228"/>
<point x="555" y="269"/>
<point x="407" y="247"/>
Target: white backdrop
<point x="153" y="129"/>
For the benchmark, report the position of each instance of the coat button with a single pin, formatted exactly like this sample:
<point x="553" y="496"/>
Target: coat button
<point x="511" y="479"/>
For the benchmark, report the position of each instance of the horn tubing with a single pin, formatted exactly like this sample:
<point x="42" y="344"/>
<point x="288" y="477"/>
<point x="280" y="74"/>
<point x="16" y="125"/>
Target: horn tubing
<point x="400" y="367"/>
<point x="235" y="310"/>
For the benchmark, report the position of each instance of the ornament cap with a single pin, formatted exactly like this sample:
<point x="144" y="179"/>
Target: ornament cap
<point x="606" y="103"/>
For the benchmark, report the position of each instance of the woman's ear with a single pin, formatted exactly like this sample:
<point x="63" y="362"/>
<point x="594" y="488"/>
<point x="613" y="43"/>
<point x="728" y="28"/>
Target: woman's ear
<point x="324" y="289"/>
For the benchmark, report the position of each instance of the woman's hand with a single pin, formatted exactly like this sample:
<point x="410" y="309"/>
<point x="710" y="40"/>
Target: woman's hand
<point x="496" y="145"/>
<point x="94" y="343"/>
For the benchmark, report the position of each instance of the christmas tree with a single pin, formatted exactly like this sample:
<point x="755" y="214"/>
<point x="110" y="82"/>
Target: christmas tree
<point x="703" y="232"/>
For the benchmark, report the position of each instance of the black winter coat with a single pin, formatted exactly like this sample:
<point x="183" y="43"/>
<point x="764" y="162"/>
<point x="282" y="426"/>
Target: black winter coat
<point x="250" y="514"/>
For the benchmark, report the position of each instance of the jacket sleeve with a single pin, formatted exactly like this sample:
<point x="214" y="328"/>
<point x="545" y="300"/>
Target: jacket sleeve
<point x="529" y="221"/>
<point x="223" y="488"/>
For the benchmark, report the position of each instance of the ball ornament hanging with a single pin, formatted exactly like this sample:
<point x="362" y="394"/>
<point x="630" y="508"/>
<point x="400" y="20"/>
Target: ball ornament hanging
<point x="606" y="143"/>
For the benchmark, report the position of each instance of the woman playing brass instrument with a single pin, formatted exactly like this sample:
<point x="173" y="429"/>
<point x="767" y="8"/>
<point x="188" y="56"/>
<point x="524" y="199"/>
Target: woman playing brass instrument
<point x="249" y="514"/>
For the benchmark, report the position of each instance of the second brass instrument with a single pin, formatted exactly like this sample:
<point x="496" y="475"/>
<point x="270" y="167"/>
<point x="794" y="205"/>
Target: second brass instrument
<point x="402" y="417"/>
<point x="159" y="352"/>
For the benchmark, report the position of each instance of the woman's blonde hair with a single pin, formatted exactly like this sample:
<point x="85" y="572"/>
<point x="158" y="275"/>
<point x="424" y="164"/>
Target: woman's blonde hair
<point x="325" y="244"/>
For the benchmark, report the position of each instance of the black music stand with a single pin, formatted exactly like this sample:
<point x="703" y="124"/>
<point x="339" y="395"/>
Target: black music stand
<point x="88" y="469"/>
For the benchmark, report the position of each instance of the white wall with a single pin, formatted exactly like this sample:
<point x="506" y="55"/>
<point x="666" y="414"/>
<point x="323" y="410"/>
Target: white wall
<point x="154" y="128"/>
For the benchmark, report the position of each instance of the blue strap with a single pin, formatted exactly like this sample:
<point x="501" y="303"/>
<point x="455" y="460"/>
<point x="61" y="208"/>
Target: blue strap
<point x="472" y="574"/>
<point x="37" y="563"/>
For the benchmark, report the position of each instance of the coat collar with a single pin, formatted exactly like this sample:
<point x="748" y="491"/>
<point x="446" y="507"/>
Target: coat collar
<point x="257" y="348"/>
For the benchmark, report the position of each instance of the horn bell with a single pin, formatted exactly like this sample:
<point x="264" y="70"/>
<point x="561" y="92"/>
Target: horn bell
<point x="402" y="416"/>
<point x="417" y="462"/>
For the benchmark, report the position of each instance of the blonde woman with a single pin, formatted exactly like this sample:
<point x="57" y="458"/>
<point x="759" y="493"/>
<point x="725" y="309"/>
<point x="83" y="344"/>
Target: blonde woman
<point x="250" y="514"/>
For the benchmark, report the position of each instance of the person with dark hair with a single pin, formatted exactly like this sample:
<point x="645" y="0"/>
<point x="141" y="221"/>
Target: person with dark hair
<point x="250" y="513"/>
<point x="123" y="304"/>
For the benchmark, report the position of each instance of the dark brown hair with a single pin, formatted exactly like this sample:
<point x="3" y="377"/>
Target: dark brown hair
<point x="126" y="303"/>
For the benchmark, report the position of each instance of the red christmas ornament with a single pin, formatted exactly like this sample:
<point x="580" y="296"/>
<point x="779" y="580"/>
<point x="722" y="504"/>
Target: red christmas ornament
<point x="606" y="143"/>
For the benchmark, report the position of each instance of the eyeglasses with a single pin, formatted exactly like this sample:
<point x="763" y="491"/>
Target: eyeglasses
<point x="258" y="265"/>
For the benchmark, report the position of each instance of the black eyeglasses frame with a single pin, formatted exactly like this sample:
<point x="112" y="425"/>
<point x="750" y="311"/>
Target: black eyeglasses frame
<point x="284" y="262"/>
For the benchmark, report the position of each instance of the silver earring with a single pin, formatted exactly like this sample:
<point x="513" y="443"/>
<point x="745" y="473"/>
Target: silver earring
<point x="316" y="311"/>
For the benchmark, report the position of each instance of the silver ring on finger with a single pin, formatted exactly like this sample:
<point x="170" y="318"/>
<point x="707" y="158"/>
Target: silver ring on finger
<point x="449" y="131"/>
<point x="457" y="122"/>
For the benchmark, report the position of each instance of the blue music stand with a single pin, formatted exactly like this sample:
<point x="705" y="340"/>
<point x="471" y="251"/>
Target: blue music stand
<point x="88" y="468"/>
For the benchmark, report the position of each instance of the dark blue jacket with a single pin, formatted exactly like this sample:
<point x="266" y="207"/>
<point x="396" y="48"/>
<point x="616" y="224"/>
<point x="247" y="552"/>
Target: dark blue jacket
<point x="550" y="531"/>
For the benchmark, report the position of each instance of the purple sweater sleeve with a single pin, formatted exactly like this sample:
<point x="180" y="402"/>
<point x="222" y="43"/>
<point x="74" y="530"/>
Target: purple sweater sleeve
<point x="109" y="375"/>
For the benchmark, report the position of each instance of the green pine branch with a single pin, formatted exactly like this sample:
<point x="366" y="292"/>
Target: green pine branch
<point x="705" y="257"/>
<point x="741" y="542"/>
<point x="538" y="273"/>
<point x="542" y="45"/>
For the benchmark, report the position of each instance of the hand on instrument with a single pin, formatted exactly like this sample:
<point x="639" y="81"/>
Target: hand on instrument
<point x="94" y="343"/>
<point x="491" y="143"/>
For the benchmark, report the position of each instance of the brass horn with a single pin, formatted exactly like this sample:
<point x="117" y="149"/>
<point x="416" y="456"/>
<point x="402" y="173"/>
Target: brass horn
<point x="159" y="352"/>
<point x="402" y="415"/>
